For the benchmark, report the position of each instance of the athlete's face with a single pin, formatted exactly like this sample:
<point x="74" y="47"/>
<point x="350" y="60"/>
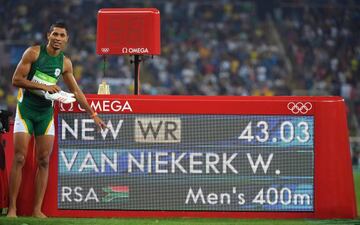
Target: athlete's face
<point x="57" y="38"/>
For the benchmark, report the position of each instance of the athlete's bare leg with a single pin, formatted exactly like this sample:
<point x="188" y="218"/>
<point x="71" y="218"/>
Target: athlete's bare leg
<point x="21" y="143"/>
<point x="44" y="145"/>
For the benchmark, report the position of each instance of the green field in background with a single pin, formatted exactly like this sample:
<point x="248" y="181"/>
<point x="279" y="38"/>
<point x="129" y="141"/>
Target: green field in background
<point x="183" y="221"/>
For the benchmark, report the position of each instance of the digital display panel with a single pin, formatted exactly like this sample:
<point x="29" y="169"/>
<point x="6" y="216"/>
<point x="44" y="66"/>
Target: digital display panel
<point x="186" y="162"/>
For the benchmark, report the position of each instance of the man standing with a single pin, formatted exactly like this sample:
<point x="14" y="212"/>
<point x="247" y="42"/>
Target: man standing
<point x="36" y="76"/>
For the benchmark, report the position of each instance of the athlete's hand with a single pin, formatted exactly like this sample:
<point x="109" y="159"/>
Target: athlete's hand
<point x="52" y="88"/>
<point x="100" y="123"/>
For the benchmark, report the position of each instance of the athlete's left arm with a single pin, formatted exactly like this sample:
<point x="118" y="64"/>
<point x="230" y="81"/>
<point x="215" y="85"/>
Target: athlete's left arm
<point x="71" y="83"/>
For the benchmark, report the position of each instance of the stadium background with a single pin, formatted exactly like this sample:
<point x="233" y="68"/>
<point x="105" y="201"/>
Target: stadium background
<point x="219" y="47"/>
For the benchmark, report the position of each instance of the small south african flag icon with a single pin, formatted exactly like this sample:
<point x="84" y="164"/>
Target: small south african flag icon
<point x="115" y="193"/>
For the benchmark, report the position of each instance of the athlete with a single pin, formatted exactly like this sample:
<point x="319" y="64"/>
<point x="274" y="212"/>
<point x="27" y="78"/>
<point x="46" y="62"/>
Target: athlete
<point x="36" y="76"/>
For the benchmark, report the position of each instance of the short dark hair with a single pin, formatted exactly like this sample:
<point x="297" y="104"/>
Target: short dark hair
<point x="60" y="24"/>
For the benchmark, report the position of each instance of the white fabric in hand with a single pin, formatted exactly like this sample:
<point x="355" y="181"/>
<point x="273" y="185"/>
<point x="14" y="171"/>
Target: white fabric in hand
<point x="61" y="96"/>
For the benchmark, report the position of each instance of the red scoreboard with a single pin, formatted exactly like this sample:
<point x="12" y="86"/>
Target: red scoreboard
<point x="198" y="156"/>
<point x="128" y="31"/>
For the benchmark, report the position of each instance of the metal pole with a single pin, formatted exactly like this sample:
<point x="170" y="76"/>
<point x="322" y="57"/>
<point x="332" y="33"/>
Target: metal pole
<point x="137" y="61"/>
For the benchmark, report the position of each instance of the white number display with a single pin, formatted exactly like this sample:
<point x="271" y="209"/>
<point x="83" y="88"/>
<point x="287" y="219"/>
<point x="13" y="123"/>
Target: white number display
<point x="304" y="127"/>
<point x="264" y="130"/>
<point x="287" y="126"/>
<point x="246" y="134"/>
<point x="288" y="132"/>
<point x="285" y="196"/>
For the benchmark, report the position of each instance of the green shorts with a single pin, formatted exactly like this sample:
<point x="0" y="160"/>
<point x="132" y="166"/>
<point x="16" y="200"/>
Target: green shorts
<point x="34" y="121"/>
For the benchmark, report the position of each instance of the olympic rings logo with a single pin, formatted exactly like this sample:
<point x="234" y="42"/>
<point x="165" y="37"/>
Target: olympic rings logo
<point x="105" y="50"/>
<point x="299" y="107"/>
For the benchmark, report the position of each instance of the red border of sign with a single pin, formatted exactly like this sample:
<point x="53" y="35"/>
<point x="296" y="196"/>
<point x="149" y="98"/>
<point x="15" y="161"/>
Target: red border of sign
<point x="334" y="187"/>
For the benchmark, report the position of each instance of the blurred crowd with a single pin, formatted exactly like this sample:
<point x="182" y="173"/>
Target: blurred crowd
<point x="207" y="47"/>
<point x="323" y="43"/>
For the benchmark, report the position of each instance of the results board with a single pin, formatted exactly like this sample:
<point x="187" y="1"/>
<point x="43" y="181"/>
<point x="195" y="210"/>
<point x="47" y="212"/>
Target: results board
<point x="201" y="156"/>
<point x="186" y="162"/>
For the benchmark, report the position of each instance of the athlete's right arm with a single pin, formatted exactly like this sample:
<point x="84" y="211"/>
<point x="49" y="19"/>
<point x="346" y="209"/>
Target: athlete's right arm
<point x="23" y="68"/>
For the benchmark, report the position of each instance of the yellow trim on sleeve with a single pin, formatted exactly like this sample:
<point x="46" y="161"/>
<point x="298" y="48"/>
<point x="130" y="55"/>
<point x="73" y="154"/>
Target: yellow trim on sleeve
<point x="19" y="95"/>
